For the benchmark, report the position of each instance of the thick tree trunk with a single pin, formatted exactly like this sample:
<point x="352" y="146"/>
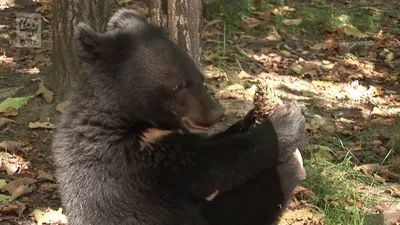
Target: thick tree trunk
<point x="183" y="19"/>
<point x="67" y="13"/>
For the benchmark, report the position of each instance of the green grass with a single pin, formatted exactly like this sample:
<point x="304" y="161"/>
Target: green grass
<point x="336" y="185"/>
<point x="229" y="14"/>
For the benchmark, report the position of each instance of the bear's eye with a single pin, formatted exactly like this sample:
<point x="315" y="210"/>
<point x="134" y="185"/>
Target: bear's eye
<point x="178" y="87"/>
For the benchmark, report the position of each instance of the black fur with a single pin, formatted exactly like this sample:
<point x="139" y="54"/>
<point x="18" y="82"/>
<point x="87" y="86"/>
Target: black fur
<point x="126" y="151"/>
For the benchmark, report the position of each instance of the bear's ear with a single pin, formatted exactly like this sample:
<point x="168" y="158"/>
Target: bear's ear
<point x="89" y="45"/>
<point x="126" y="18"/>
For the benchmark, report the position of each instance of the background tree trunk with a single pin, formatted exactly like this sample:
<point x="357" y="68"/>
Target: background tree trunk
<point x="183" y="19"/>
<point x="67" y="13"/>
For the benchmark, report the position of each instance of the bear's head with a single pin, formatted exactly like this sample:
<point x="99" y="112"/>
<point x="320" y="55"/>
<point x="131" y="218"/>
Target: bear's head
<point x="134" y="68"/>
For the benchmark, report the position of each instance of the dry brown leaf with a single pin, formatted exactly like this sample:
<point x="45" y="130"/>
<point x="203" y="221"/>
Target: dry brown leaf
<point x="297" y="214"/>
<point x="46" y="93"/>
<point x="330" y="43"/>
<point x="4" y="121"/>
<point x="379" y="208"/>
<point x="298" y="69"/>
<point x="12" y="163"/>
<point x="9" y="208"/>
<point x="10" y="187"/>
<point x="244" y="75"/>
<point x="43" y="175"/>
<point x="358" y="147"/>
<point x="380" y="35"/>
<point x="10" y="146"/>
<point x="368" y="169"/>
<point x="347" y="121"/>
<point x="33" y="70"/>
<point x="376" y="143"/>
<point x="251" y="22"/>
<point x="10" y="111"/>
<point x="303" y="193"/>
<point x="44" y="125"/>
<point x="248" y="37"/>
<point x="48" y="187"/>
<point x="10" y="168"/>
<point x="394" y="191"/>
<point x="274" y="36"/>
<point x="384" y="121"/>
<point x="19" y="191"/>
<point x="63" y="105"/>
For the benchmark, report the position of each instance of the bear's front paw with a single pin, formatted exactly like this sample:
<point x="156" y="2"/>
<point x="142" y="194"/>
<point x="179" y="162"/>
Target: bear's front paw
<point x="290" y="127"/>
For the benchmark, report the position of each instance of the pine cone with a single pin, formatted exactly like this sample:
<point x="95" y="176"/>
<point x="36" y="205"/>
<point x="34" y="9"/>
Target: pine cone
<point x="265" y="101"/>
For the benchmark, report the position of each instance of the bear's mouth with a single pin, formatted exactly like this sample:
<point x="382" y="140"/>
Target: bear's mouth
<point x="195" y="128"/>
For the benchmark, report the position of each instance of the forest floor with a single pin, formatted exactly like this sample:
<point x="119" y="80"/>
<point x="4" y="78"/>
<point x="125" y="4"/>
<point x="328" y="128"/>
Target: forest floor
<point x="339" y="59"/>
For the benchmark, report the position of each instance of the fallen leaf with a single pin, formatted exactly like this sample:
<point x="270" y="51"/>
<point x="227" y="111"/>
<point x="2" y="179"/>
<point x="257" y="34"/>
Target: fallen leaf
<point x="352" y="31"/>
<point x="358" y="147"/>
<point x="19" y="191"/>
<point x="286" y="53"/>
<point x="12" y="163"/>
<point x="378" y="178"/>
<point x="298" y="69"/>
<point x="43" y="175"/>
<point x="376" y="143"/>
<point x="46" y="93"/>
<point x="384" y="121"/>
<point x="292" y="22"/>
<point x="251" y="22"/>
<point x="12" y="185"/>
<point x="297" y="214"/>
<point x="394" y="191"/>
<point x="10" y="146"/>
<point x="389" y="57"/>
<point x="379" y="208"/>
<point x="4" y="121"/>
<point x="8" y="208"/>
<point x="10" y="167"/>
<point x="15" y="103"/>
<point x="380" y="34"/>
<point x="63" y="105"/>
<point x="303" y="193"/>
<point x="244" y="75"/>
<point x="48" y="187"/>
<point x="3" y="183"/>
<point x="10" y="111"/>
<point x="367" y="168"/>
<point x="318" y="46"/>
<point x="34" y="70"/>
<point x="4" y="199"/>
<point x="44" y="125"/>
<point x="330" y="42"/>
<point x="274" y="36"/>
<point x="322" y="154"/>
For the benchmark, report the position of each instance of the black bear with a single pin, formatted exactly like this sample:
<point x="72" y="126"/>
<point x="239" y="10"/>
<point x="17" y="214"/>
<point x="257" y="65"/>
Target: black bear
<point x="130" y="150"/>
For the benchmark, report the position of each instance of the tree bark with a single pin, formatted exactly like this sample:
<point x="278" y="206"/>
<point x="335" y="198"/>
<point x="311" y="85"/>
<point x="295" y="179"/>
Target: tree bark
<point x="67" y="13"/>
<point x="183" y="19"/>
